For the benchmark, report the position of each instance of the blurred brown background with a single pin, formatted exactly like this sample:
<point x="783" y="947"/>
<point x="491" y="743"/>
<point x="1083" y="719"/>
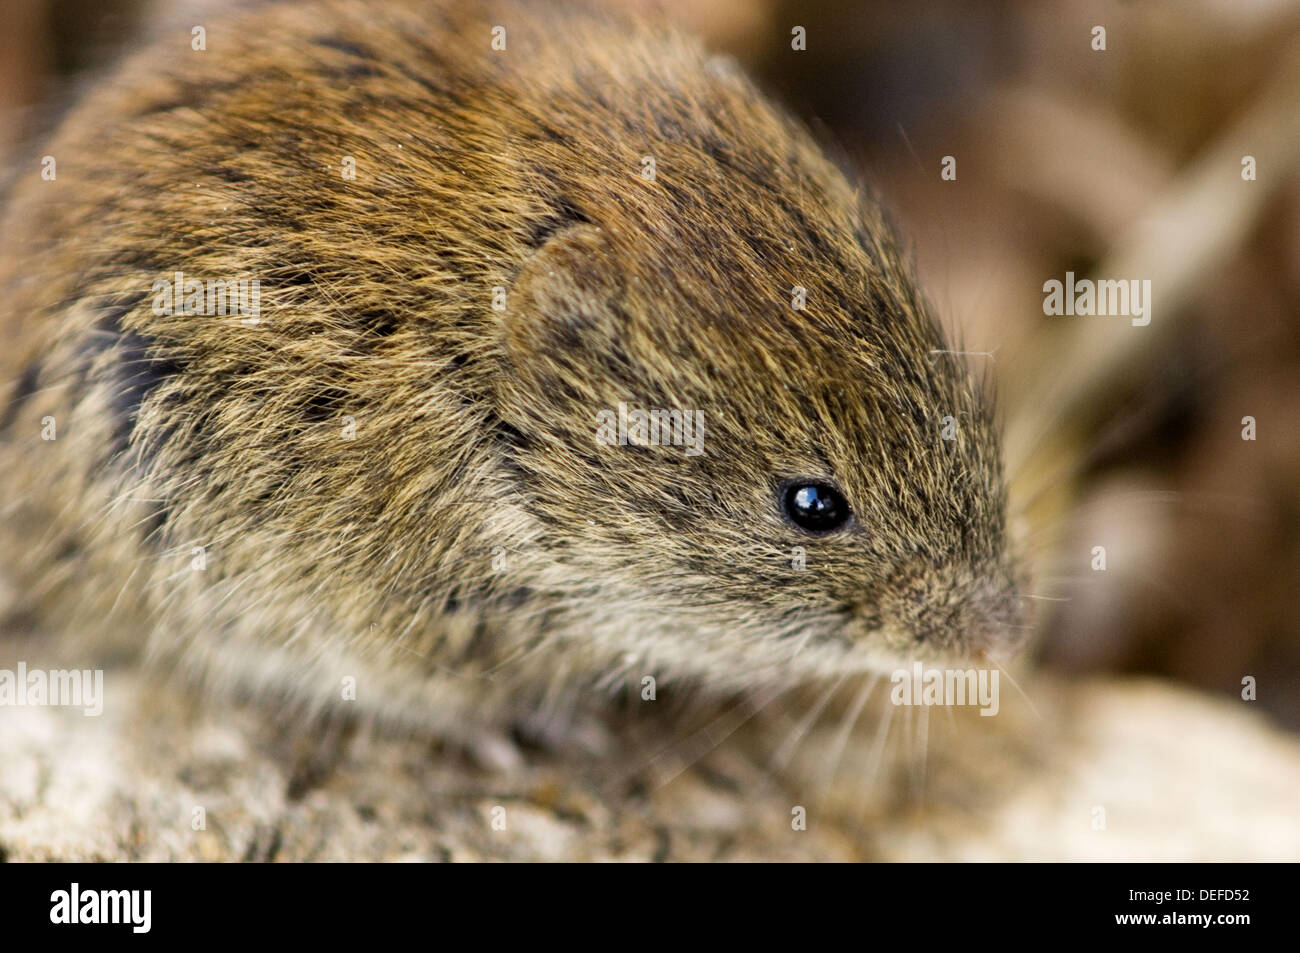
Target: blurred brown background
<point x="1065" y="158"/>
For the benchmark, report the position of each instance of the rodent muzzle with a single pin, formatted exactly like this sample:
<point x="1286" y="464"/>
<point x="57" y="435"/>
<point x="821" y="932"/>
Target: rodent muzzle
<point x="950" y="611"/>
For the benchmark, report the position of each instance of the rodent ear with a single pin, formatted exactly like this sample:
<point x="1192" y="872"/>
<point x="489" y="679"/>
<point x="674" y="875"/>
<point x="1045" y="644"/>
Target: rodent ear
<point x="564" y="301"/>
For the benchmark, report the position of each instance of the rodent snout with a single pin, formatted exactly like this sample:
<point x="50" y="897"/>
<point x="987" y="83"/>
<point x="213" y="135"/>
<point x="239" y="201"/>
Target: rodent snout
<point x="952" y="611"/>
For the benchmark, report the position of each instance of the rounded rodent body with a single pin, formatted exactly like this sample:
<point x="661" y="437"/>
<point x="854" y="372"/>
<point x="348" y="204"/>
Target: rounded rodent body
<point x="395" y="472"/>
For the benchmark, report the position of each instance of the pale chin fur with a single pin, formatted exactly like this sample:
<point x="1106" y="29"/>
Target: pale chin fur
<point x="737" y="658"/>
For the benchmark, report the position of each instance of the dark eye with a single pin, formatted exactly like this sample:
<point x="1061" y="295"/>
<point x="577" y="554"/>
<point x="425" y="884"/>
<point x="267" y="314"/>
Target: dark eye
<point x="816" y="507"/>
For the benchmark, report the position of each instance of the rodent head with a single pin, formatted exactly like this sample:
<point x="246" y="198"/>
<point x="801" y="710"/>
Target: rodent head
<point x="840" y="500"/>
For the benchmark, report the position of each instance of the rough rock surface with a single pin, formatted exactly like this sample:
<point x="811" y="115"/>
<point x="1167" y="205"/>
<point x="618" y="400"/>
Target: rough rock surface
<point x="1175" y="776"/>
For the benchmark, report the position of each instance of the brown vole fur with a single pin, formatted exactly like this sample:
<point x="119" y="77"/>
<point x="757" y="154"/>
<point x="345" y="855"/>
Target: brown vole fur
<point x="475" y="551"/>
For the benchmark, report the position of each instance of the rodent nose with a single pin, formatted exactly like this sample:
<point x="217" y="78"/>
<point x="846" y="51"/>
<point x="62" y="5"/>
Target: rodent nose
<point x="952" y="610"/>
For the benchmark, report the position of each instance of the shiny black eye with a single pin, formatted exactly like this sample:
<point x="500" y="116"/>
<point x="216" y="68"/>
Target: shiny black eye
<point x="815" y="507"/>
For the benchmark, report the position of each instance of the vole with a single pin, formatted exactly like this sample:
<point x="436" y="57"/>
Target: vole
<point x="385" y="475"/>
